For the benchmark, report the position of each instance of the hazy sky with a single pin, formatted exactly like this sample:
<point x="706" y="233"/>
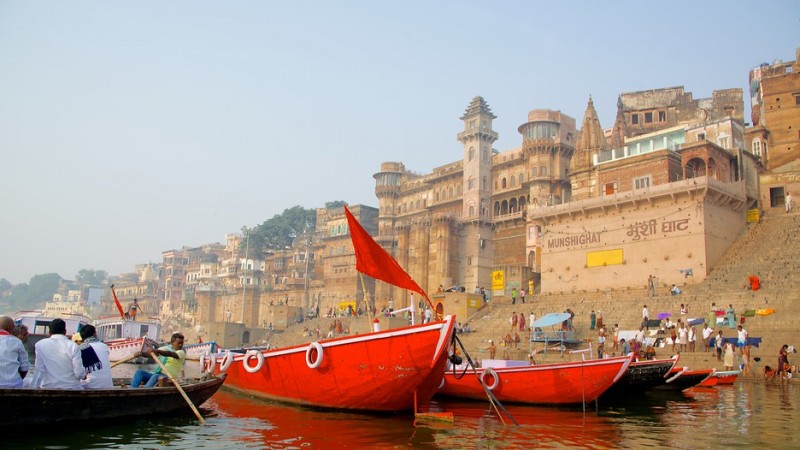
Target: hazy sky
<point x="130" y="128"/>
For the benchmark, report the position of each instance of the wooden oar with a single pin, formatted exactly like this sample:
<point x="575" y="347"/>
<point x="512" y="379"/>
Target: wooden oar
<point x="130" y="358"/>
<point x="154" y="355"/>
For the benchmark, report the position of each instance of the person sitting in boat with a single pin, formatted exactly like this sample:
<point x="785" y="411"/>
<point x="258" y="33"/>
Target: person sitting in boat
<point x="172" y="357"/>
<point x="626" y="347"/>
<point x="58" y="360"/>
<point x="96" y="360"/>
<point x="14" y="363"/>
<point x="650" y="353"/>
<point x="133" y="309"/>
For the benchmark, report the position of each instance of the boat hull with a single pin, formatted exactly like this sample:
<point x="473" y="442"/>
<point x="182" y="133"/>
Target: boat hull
<point x="546" y="384"/>
<point x="721" y="378"/>
<point x="640" y="377"/>
<point x="380" y="371"/>
<point x="49" y="406"/>
<point x="684" y="379"/>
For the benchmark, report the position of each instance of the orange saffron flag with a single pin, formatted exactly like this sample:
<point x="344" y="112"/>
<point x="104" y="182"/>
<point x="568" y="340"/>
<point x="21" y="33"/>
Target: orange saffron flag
<point x="373" y="260"/>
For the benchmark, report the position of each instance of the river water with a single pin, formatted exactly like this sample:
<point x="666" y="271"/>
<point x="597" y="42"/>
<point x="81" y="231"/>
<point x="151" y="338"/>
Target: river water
<point x="745" y="415"/>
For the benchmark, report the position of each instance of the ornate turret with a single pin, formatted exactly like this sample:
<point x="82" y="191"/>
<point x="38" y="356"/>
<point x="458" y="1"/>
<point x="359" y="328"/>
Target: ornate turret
<point x="591" y="141"/>
<point x="617" y="139"/>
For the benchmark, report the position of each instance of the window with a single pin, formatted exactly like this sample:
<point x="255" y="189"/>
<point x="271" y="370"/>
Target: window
<point x="535" y="171"/>
<point x="513" y="180"/>
<point x="503" y="183"/>
<point x="471" y="153"/>
<point x="797" y="99"/>
<point x="757" y="148"/>
<point x="723" y="141"/>
<point x="470" y="184"/>
<point x="611" y="188"/>
<point x="543" y="171"/>
<point x="648" y="117"/>
<point x="662" y="116"/>
<point x="634" y="119"/>
<point x="701" y="136"/>
<point x="641" y="182"/>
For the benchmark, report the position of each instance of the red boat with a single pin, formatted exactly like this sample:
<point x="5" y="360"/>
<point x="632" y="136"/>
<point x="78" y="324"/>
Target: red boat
<point x="721" y="378"/>
<point x="380" y="371"/>
<point x="392" y="370"/>
<point x="681" y="378"/>
<point x="545" y="384"/>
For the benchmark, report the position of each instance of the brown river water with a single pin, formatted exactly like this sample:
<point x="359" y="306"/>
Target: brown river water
<point x="746" y="415"/>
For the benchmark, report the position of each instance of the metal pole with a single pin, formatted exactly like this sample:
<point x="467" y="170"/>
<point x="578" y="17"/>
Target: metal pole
<point x="244" y="273"/>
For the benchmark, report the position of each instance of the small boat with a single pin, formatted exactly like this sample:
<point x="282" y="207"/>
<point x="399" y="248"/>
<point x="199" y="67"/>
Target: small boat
<point x="39" y="326"/>
<point x="681" y="378"/>
<point x="379" y="371"/>
<point x="640" y="377"/>
<point x="51" y="406"/>
<point x="571" y="383"/>
<point x="727" y="377"/>
<point x="125" y="337"/>
<point x="382" y="371"/>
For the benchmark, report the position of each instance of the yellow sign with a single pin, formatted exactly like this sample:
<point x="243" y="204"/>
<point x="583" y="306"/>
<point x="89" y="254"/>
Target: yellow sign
<point x="498" y="280"/>
<point x="604" y="258"/>
<point x="752" y="215"/>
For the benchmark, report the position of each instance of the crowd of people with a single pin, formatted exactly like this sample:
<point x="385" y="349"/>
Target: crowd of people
<point x="82" y="362"/>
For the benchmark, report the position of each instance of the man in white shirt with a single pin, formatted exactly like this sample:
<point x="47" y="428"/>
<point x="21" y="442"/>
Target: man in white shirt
<point x="707" y="331"/>
<point x="13" y="357"/>
<point x="58" y="360"/>
<point x="96" y="360"/>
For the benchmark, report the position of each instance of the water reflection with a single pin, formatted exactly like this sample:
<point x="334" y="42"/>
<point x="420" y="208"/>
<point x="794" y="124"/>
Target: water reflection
<point x="743" y="415"/>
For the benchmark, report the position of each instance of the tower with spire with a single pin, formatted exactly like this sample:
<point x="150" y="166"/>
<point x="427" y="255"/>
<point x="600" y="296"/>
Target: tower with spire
<point x="591" y="141"/>
<point x="476" y="139"/>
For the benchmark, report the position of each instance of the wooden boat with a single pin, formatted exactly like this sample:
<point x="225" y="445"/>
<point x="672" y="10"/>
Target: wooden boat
<point x="640" y="376"/>
<point x="727" y="377"/>
<point x="390" y="370"/>
<point x="378" y="371"/>
<point x="50" y="406"/>
<point x="39" y="326"/>
<point x="545" y="384"/>
<point x="125" y="337"/>
<point x="681" y="378"/>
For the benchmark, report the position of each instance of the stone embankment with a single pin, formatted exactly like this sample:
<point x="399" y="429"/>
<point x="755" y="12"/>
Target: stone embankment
<point x="768" y="249"/>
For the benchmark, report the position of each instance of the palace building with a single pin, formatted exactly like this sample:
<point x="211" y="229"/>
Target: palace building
<point x="663" y="192"/>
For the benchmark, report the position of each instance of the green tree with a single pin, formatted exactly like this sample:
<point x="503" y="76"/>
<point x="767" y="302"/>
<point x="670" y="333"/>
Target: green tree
<point x="280" y="231"/>
<point x="5" y="285"/>
<point x="335" y="204"/>
<point x="36" y="293"/>
<point x="91" y="277"/>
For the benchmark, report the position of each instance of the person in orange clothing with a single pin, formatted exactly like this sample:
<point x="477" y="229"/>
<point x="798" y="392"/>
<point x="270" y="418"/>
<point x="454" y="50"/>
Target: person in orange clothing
<point x="755" y="283"/>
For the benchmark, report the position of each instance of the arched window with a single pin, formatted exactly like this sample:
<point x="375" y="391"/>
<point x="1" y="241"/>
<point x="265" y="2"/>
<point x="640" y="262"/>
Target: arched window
<point x="543" y="171"/>
<point x="512" y="205"/>
<point x="437" y="196"/>
<point x="513" y="181"/>
<point x="458" y="190"/>
<point x="484" y="155"/>
<point x="470" y="184"/>
<point x="535" y="171"/>
<point x="471" y="153"/>
<point x="521" y="177"/>
<point x="503" y="183"/>
<point x="471" y="211"/>
<point x="496" y="209"/>
<point x="451" y="192"/>
<point x="504" y="207"/>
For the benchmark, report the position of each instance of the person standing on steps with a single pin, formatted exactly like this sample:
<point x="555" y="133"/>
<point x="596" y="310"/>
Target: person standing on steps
<point x="789" y="202"/>
<point x="718" y="345"/>
<point x="513" y="296"/>
<point x="592" y="320"/>
<point x="522" y="295"/>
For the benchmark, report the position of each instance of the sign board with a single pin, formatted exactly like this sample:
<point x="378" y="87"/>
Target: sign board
<point x="498" y="280"/>
<point x="752" y="215"/>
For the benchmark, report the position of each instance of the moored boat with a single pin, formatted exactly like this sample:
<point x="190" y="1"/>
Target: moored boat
<point x="380" y="371"/>
<point x="640" y="377"/>
<point x="52" y="406"/>
<point x="125" y="337"/>
<point x="545" y="384"/>
<point x="681" y="378"/>
<point x="727" y="377"/>
<point x="39" y="325"/>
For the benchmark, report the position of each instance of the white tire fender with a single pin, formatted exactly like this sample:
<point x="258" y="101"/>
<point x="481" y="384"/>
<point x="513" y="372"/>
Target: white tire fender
<point x="314" y="346"/>
<point x="246" y="361"/>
